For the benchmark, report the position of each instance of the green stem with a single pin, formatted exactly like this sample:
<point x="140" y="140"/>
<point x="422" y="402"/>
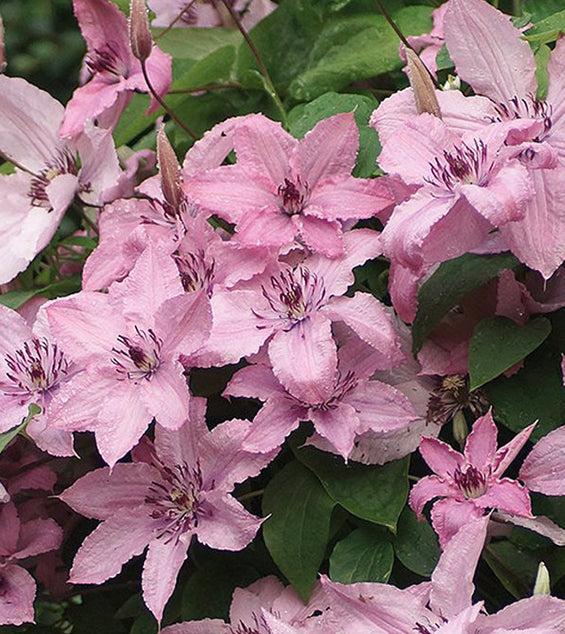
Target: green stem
<point x="251" y="495"/>
<point x="268" y="81"/>
<point x="165" y="106"/>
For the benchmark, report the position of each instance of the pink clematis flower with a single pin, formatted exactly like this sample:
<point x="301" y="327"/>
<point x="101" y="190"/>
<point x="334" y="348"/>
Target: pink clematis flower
<point x="428" y="45"/>
<point x="18" y="541"/>
<point x="351" y="406"/>
<point x="495" y="61"/>
<point x="130" y="341"/>
<point x="181" y="492"/>
<point x="543" y="468"/>
<point x="282" y="189"/>
<point x="32" y="370"/>
<point x="471" y="482"/>
<point x="292" y="310"/>
<point x="264" y="607"/>
<point x="50" y="171"/>
<point x="467" y="188"/>
<point x="114" y="73"/>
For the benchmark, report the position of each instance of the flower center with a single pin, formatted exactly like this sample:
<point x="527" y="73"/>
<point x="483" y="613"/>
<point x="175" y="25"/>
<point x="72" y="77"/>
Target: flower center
<point x="34" y="368"/>
<point x="107" y="61"/>
<point x="471" y="482"/>
<point x="466" y="165"/>
<point x="451" y="397"/>
<point x="138" y="358"/>
<point x="175" y="498"/>
<point x="293" y="196"/>
<point x="63" y="163"/>
<point x="195" y="272"/>
<point x="529" y="107"/>
<point x="343" y="385"/>
<point x="292" y="295"/>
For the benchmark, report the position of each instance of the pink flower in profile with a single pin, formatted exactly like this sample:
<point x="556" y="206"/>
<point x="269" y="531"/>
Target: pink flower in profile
<point x="114" y="73"/>
<point x="428" y="45"/>
<point x="182" y="492"/>
<point x="18" y="541"/>
<point x="49" y="172"/>
<point x="472" y="482"/>
<point x="282" y="190"/>
<point x="264" y="607"/>
<point x="32" y="370"/>
<point x="351" y="406"/>
<point x="129" y="340"/>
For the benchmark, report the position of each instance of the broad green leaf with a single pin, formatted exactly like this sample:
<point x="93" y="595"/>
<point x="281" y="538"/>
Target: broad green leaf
<point x="541" y="9"/>
<point x="297" y="531"/>
<point x="498" y="343"/>
<point x="542" y="58"/>
<point x="208" y="591"/>
<point x="364" y="555"/>
<point x="15" y="299"/>
<point x="305" y="116"/>
<point x="535" y="392"/>
<point x="196" y="44"/>
<point x="373" y="493"/>
<point x="547" y="30"/>
<point x="351" y="48"/>
<point x="8" y="436"/>
<point x="416" y="544"/>
<point x="514" y="567"/>
<point x="449" y="285"/>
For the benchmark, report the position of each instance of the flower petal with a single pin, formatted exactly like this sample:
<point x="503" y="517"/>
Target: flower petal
<point x="544" y="466"/>
<point x="440" y="457"/>
<point x="276" y="419"/>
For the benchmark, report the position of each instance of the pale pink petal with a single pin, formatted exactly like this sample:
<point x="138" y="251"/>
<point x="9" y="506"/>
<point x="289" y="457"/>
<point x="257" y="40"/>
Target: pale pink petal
<point x="346" y="198"/>
<point x="38" y="536"/>
<point x="264" y="146"/>
<point x="184" y="322"/>
<point x="56" y="442"/>
<point x="61" y="191"/>
<point x="338" y="425"/>
<point x="506" y="454"/>
<point x="206" y="626"/>
<point x="556" y="96"/>
<point x="167" y="396"/>
<point x="304" y="359"/>
<point x="29" y="124"/>
<point x="369" y="319"/>
<point x="403" y="286"/>
<point x="540" y="524"/>
<point x="266" y="227"/>
<point x="540" y="613"/>
<point x="225" y="524"/>
<point x="458" y="562"/>
<point x="449" y="515"/>
<point x="320" y="235"/>
<point x="163" y="562"/>
<point x="480" y="446"/>
<point x="10" y="529"/>
<point x="538" y="240"/>
<point x="102" y="23"/>
<point x="274" y="422"/>
<point x="488" y="51"/>
<point x="100" y="492"/>
<point x="544" y="466"/>
<point x="100" y="168"/>
<point x="122" y="420"/>
<point x="114" y="542"/>
<point x="440" y="457"/>
<point x="427" y="489"/>
<point x="330" y="148"/>
<point x="231" y="191"/>
<point x="18" y="594"/>
<point x="506" y="495"/>
<point x="14" y="331"/>
<point x="255" y="381"/>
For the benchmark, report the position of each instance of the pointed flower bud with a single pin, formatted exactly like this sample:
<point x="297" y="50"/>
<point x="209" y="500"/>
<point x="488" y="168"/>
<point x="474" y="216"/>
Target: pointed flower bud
<point x="139" y="32"/>
<point x="169" y="169"/>
<point x="542" y="585"/>
<point x="422" y="85"/>
<point x="460" y="428"/>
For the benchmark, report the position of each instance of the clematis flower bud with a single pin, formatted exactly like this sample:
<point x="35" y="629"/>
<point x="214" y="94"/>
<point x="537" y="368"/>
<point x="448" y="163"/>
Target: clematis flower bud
<point x="139" y="32"/>
<point x="422" y="85"/>
<point x="542" y="584"/>
<point x="169" y="169"/>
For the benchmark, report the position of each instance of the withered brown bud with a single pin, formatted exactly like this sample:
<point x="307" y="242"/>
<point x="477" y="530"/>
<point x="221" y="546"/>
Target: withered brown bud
<point x="140" y="36"/>
<point x="169" y="169"/>
<point x="422" y="85"/>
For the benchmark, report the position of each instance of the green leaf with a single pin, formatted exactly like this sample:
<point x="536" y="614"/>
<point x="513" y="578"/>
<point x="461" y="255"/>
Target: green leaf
<point x="416" y="544"/>
<point x="304" y="117"/>
<point x="515" y="567"/>
<point x="547" y="30"/>
<point x="8" y="436"/>
<point x="449" y="285"/>
<point x="297" y="531"/>
<point x="542" y="58"/>
<point x="352" y="48"/>
<point x="196" y="44"/>
<point x="373" y="493"/>
<point x="208" y="591"/>
<point x="15" y="299"/>
<point x="498" y="343"/>
<point x="534" y="393"/>
<point x="541" y="9"/>
<point x="443" y="59"/>
<point x="364" y="555"/>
